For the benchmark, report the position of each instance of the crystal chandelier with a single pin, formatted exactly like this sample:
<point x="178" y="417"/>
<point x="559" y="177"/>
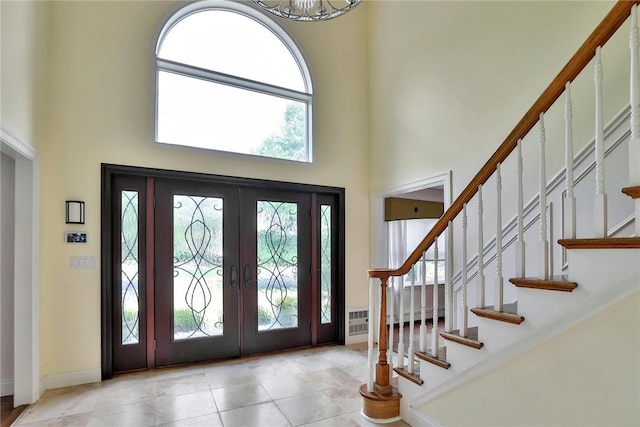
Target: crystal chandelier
<point x="307" y="10"/>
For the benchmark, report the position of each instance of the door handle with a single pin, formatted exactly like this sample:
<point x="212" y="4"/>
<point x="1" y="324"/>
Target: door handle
<point x="234" y="276"/>
<point x="247" y="276"/>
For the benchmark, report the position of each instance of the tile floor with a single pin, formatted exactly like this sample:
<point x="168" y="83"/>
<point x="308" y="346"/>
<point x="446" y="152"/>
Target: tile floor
<point x="312" y="387"/>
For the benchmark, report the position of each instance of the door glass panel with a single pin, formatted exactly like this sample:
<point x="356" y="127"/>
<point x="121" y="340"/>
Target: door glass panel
<point x="129" y="267"/>
<point x="197" y="267"/>
<point x="277" y="234"/>
<point x="325" y="264"/>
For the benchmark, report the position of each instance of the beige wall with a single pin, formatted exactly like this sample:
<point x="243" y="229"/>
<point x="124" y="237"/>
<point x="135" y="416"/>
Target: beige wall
<point x="23" y="50"/>
<point x="587" y="375"/>
<point x="450" y="80"/>
<point x="100" y="110"/>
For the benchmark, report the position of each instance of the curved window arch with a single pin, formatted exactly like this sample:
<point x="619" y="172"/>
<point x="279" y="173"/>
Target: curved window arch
<point x="228" y="78"/>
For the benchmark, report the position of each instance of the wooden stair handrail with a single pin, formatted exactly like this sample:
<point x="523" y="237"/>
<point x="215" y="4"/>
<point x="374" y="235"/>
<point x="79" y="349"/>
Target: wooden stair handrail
<point x="602" y="33"/>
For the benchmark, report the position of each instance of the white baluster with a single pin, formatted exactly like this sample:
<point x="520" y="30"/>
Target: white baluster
<point x="499" y="285"/>
<point x="569" y="201"/>
<point x="400" y="363"/>
<point x="463" y="304"/>
<point x="480" y="250"/>
<point x="520" y="246"/>
<point x="392" y="300"/>
<point x="600" y="203"/>
<point x="543" y="244"/>
<point x="448" y="281"/>
<point x="634" y="143"/>
<point x="434" y="330"/>
<point x="423" y="305"/>
<point x="412" y="321"/>
<point x="370" y="362"/>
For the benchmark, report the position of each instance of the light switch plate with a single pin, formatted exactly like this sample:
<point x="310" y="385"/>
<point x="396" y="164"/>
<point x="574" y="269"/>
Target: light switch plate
<point x="83" y="262"/>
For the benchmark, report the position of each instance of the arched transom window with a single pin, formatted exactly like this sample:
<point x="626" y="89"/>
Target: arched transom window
<point x="230" y="79"/>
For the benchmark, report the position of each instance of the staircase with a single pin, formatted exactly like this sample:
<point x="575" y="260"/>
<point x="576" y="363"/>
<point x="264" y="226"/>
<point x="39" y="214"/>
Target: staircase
<point x="515" y="313"/>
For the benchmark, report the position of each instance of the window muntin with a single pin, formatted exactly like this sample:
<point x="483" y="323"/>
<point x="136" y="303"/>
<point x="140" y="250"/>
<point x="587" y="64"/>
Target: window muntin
<point x="230" y="79"/>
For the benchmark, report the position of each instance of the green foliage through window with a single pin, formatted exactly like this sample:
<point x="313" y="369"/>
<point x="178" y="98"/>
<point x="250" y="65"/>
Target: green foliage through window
<point x="290" y="142"/>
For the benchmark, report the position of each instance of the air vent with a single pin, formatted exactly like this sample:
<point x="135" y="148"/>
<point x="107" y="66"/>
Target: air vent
<point x="358" y="322"/>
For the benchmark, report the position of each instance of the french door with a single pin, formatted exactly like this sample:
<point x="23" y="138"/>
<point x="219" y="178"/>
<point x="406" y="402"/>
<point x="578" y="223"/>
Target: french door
<point x="232" y="271"/>
<point x="196" y="284"/>
<point x="276" y="272"/>
<point x="203" y="270"/>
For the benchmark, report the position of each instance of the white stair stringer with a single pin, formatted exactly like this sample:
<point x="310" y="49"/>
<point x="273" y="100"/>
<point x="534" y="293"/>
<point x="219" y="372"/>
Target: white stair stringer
<point x="604" y="277"/>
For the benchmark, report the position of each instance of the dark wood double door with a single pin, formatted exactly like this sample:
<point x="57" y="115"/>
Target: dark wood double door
<point x="216" y="268"/>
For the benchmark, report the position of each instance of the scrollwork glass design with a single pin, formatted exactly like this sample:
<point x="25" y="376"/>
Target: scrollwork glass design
<point x="325" y="264"/>
<point x="129" y="267"/>
<point x="277" y="287"/>
<point x="197" y="267"/>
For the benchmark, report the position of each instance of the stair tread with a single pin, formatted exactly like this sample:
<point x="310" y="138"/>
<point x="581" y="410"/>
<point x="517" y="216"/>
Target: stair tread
<point x="602" y="243"/>
<point x="633" y="192"/>
<point x="440" y="361"/>
<point x="415" y="377"/>
<point x="555" y="283"/>
<point x="471" y="340"/>
<point x="508" y="314"/>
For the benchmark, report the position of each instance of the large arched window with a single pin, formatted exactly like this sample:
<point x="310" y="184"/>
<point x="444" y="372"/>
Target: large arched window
<point x="230" y="79"/>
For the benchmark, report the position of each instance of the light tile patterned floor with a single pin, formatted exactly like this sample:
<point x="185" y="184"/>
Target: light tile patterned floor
<point x="313" y="387"/>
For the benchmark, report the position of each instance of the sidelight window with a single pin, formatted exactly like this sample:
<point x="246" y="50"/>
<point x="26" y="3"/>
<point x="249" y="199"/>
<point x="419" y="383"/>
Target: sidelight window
<point x="130" y="268"/>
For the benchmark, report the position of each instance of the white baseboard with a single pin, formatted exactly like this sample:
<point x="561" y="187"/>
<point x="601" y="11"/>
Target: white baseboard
<point x="71" y="378"/>
<point x="356" y="339"/>
<point x="6" y="388"/>
<point x="379" y="420"/>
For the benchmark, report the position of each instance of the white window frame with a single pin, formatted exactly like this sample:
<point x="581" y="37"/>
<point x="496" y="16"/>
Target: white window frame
<point x="231" y="80"/>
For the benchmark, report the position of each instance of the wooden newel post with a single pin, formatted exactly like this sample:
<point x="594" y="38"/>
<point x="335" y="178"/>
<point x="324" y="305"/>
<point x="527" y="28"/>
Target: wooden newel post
<point x="382" y="385"/>
<point x="381" y="401"/>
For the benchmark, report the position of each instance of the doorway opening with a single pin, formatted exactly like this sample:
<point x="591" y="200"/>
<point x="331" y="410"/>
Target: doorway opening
<point x="436" y="188"/>
<point x="25" y="381"/>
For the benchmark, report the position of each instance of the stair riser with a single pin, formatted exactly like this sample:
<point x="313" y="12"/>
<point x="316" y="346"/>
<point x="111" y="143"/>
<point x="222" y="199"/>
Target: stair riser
<point x="634" y="169"/>
<point x="462" y="357"/>
<point x="542" y="305"/>
<point x="497" y="335"/>
<point x="434" y="375"/>
<point x="409" y="391"/>
<point x="637" y="222"/>
<point x="615" y="264"/>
